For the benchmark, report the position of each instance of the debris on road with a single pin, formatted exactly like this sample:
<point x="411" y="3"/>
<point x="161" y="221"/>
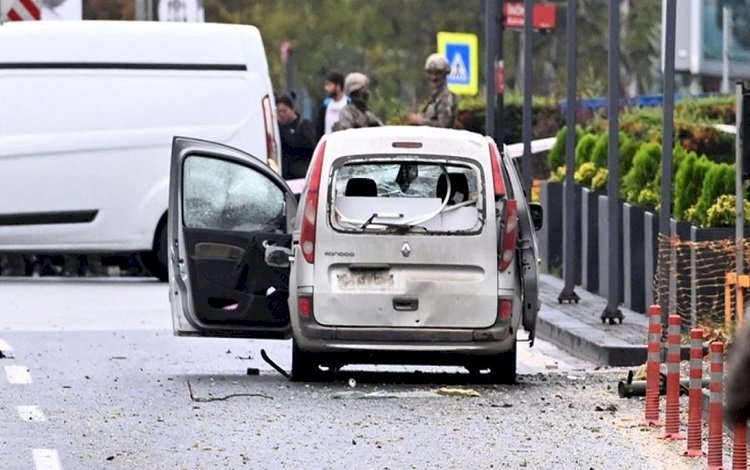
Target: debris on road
<point x="223" y="398"/>
<point x="458" y="392"/>
<point x="271" y="363"/>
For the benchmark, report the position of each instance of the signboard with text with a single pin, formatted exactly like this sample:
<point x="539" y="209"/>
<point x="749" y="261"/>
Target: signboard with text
<point x="514" y="14"/>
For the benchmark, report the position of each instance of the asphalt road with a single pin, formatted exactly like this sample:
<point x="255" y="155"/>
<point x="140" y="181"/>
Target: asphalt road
<point x="94" y="379"/>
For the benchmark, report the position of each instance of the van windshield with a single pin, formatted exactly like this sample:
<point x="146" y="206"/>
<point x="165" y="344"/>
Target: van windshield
<point x="407" y="196"/>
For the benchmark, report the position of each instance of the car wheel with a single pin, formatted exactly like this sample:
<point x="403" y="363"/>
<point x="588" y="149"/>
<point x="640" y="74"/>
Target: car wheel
<point x="503" y="367"/>
<point x="305" y="367"/>
<point x="155" y="261"/>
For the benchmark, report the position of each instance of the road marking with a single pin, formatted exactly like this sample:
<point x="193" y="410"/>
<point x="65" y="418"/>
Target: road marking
<point x="46" y="459"/>
<point x="18" y="375"/>
<point x="31" y="413"/>
<point x="5" y="347"/>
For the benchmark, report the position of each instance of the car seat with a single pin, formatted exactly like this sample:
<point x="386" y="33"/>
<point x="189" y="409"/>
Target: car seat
<point x="459" y="188"/>
<point x="362" y="187"/>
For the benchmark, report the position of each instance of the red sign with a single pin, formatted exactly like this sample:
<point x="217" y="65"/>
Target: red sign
<point x="499" y="78"/>
<point x="24" y="10"/>
<point x="514" y="13"/>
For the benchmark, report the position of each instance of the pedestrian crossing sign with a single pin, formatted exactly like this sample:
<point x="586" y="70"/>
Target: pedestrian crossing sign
<point x="462" y="52"/>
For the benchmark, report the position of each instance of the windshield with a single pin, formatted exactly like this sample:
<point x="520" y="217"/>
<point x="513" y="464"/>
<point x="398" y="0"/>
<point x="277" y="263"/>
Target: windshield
<point x="407" y="195"/>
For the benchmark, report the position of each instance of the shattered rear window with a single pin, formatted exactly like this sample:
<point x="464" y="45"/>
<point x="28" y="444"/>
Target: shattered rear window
<point x="407" y="195"/>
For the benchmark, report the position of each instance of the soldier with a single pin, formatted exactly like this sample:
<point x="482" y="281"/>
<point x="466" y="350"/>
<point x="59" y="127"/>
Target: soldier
<point x="737" y="407"/>
<point x="442" y="108"/>
<point x="355" y="114"/>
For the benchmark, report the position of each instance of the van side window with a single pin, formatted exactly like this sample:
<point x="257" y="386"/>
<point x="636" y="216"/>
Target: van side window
<point x="227" y="196"/>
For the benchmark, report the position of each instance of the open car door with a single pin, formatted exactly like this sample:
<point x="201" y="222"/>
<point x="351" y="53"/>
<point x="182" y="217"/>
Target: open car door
<point x="225" y="208"/>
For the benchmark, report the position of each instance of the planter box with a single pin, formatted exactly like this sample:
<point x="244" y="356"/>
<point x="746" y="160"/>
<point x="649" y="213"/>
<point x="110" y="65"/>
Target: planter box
<point x="650" y="255"/>
<point x="606" y="267"/>
<point x="589" y="239"/>
<point x="633" y="257"/>
<point x="550" y="237"/>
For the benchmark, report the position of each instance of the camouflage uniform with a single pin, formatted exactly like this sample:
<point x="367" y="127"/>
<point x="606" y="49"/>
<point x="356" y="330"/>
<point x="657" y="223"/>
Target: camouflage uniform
<point x="351" y="117"/>
<point x="442" y="109"/>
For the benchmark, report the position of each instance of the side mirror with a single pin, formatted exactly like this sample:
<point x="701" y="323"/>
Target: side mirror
<point x="277" y="256"/>
<point x="537" y="215"/>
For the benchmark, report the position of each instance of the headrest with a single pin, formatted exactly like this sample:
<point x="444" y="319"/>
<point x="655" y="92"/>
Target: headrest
<point x="459" y="188"/>
<point x="363" y="187"/>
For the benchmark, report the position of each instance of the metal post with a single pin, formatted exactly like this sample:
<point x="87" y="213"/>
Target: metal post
<point x="739" y="186"/>
<point x="490" y="37"/>
<point x="140" y="10"/>
<point x="726" y="26"/>
<point x="499" y="97"/>
<point x="569" y="265"/>
<point x="290" y="70"/>
<point x="611" y="311"/>
<point x="528" y="84"/>
<point x="665" y="213"/>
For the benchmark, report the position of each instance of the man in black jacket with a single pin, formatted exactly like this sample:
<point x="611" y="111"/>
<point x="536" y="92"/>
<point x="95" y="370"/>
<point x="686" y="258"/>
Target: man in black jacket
<point x="737" y="403"/>
<point x="297" y="139"/>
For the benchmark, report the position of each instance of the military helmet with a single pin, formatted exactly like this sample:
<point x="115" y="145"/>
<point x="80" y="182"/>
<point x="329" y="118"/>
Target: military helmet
<point x="355" y="81"/>
<point x="437" y="63"/>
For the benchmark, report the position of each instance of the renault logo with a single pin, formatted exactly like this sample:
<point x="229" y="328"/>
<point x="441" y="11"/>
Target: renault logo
<point x="405" y="250"/>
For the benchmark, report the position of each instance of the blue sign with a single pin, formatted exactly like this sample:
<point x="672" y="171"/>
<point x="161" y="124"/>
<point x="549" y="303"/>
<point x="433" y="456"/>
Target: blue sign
<point x="461" y="50"/>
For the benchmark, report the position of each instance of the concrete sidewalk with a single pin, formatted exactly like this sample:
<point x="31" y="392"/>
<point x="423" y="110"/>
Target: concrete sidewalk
<point x="578" y="328"/>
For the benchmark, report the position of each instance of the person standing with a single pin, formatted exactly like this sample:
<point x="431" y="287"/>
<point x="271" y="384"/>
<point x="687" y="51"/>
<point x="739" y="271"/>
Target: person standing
<point x="333" y="103"/>
<point x="297" y="138"/>
<point x="442" y="109"/>
<point x="356" y="114"/>
<point x="737" y="403"/>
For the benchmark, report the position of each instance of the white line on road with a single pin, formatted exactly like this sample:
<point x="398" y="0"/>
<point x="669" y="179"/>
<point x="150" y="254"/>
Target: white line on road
<point x="18" y="375"/>
<point x="5" y="347"/>
<point x="46" y="459"/>
<point x="31" y="413"/>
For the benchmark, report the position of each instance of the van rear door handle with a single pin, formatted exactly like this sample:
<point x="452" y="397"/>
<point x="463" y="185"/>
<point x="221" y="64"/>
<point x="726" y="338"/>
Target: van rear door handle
<point x="405" y="304"/>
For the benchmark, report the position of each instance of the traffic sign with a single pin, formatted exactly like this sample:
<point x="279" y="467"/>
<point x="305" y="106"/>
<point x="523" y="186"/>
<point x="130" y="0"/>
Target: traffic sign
<point x="462" y="52"/>
<point x="543" y="16"/>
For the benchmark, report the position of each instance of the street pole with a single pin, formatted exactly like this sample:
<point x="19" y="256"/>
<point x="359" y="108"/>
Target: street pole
<point x="739" y="145"/>
<point x="140" y="10"/>
<point x="726" y="16"/>
<point x="569" y="270"/>
<point x="665" y="213"/>
<point x="528" y="84"/>
<point x="611" y="311"/>
<point x="499" y="97"/>
<point x="490" y="37"/>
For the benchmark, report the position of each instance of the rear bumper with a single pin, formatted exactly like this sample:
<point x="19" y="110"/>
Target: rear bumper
<point x="314" y="337"/>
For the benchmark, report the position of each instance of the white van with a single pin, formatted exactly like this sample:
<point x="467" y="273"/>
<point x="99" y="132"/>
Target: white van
<point x="408" y="245"/>
<point x="87" y="117"/>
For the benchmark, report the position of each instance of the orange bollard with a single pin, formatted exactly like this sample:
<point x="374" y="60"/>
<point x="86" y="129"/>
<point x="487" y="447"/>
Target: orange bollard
<point x="715" y="420"/>
<point x="652" y="366"/>
<point x="695" y="395"/>
<point x="672" y="413"/>
<point x="739" y="447"/>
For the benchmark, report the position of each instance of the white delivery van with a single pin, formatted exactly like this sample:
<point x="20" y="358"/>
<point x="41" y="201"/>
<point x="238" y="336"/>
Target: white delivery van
<point x="87" y="117"/>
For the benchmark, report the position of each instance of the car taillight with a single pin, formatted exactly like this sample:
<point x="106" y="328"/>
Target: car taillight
<point x="310" y="210"/>
<point x="268" y="122"/>
<point x="504" y="309"/>
<point x="510" y="235"/>
<point x="305" y="306"/>
<point x="497" y="176"/>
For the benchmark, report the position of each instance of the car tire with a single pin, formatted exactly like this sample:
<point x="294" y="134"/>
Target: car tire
<point x="503" y="367"/>
<point x="155" y="261"/>
<point x="305" y="367"/>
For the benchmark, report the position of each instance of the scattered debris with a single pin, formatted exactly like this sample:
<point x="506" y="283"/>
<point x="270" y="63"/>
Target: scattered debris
<point x="356" y="394"/>
<point x="117" y="358"/>
<point x="611" y="408"/>
<point x="223" y="398"/>
<point x="352" y="383"/>
<point x="253" y="371"/>
<point x="274" y="365"/>
<point x="458" y="392"/>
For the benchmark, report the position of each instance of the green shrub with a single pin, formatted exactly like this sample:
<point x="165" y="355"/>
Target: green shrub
<point x="688" y="183"/>
<point x="556" y="155"/>
<point x="628" y="149"/>
<point x="584" y="149"/>
<point x="599" y="181"/>
<point x="719" y="180"/>
<point x="585" y="173"/>
<point x="558" y="175"/>
<point x="646" y="164"/>
<point x="722" y="212"/>
<point x="649" y="196"/>
<point x="600" y="152"/>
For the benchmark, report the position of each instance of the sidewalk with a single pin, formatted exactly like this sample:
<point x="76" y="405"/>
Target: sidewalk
<point x="578" y="328"/>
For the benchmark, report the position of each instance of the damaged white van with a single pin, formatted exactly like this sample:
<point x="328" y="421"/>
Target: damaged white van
<point x="410" y="245"/>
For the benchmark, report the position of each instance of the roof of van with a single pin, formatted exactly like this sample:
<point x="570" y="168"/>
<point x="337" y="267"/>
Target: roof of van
<point x="380" y="140"/>
<point x="129" y="42"/>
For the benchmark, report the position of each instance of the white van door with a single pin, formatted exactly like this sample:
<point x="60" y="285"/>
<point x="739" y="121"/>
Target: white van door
<point x="225" y="207"/>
